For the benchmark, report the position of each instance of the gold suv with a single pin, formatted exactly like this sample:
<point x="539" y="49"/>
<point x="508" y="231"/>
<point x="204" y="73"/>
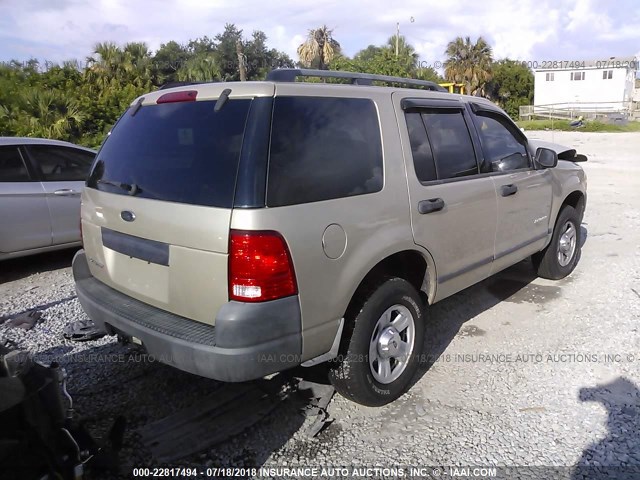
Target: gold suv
<point x="239" y="229"/>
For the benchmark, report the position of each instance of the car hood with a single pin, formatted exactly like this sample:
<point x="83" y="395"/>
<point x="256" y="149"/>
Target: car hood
<point x="564" y="152"/>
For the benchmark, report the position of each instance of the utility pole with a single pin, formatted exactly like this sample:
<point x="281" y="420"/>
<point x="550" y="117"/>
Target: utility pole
<point x="397" y="37"/>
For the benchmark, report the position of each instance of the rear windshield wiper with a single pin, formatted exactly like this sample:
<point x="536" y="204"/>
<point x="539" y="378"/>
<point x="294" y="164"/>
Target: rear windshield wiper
<point x="132" y="189"/>
<point x="224" y="96"/>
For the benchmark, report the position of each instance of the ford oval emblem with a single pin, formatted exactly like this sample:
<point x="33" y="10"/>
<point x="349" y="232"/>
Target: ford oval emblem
<point x="127" y="216"/>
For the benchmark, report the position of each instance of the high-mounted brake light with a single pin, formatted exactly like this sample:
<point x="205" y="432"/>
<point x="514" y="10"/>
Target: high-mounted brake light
<point x="260" y="267"/>
<point x="173" y="97"/>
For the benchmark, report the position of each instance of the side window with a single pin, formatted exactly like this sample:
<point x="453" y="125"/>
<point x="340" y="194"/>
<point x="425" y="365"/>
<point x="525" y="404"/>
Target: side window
<point x="60" y="164"/>
<point x="323" y="148"/>
<point x="12" y="167"/>
<point x="503" y="151"/>
<point x="420" y="148"/>
<point x="450" y="143"/>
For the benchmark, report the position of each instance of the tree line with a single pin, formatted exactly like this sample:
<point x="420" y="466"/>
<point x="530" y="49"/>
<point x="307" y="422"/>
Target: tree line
<point x="79" y="102"/>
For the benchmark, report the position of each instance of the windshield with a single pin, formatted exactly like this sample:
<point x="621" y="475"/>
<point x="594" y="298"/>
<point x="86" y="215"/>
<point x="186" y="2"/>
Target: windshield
<point x="177" y="152"/>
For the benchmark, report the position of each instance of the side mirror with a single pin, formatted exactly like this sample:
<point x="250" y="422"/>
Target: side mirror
<point x="546" y="158"/>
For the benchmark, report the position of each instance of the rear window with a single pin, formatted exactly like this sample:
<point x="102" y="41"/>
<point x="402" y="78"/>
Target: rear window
<point x="177" y="152"/>
<point x="61" y="164"/>
<point x="323" y="148"/>
<point x="12" y="168"/>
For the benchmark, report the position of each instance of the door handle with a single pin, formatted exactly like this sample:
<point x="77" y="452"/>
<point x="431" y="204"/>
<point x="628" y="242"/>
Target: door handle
<point x="507" y="190"/>
<point x="66" y="192"/>
<point x="431" y="205"/>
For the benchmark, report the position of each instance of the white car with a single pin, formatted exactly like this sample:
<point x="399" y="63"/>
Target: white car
<point x="40" y="185"/>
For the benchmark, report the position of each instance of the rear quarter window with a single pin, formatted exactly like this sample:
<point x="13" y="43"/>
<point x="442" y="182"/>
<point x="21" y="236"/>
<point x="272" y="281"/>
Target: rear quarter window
<point x="323" y="148"/>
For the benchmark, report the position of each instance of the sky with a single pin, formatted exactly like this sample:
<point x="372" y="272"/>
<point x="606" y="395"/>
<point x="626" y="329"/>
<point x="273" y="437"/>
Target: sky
<point x="528" y="30"/>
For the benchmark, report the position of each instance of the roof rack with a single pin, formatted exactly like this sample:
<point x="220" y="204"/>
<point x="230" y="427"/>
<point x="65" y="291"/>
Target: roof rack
<point x="290" y="75"/>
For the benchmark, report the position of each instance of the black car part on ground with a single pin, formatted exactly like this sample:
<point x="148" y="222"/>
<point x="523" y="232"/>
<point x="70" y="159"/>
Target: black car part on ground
<point x="82" y="331"/>
<point x="39" y="439"/>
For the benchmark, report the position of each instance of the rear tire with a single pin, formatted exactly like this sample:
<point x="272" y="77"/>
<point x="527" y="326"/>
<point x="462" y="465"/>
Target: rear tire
<point x="561" y="256"/>
<point x="380" y="348"/>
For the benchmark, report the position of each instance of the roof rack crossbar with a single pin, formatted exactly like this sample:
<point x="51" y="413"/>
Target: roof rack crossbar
<point x="290" y="75"/>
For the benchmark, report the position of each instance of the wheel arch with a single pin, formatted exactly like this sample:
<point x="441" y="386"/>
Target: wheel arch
<point x="413" y="265"/>
<point x="577" y="200"/>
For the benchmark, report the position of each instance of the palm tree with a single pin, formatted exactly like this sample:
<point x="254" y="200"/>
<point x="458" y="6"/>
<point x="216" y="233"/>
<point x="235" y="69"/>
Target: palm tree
<point x="105" y="65"/>
<point x="407" y="56"/>
<point x="137" y="63"/>
<point x="405" y="49"/>
<point x="110" y="67"/>
<point x="44" y="113"/>
<point x="200" y="68"/>
<point x="468" y="63"/>
<point x="319" y="48"/>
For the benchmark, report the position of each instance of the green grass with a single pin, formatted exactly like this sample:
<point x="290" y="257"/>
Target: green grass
<point x="589" y="126"/>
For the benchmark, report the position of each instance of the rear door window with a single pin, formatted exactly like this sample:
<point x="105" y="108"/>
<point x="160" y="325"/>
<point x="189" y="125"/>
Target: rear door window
<point x="12" y="167"/>
<point x="181" y="152"/>
<point x="60" y="164"/>
<point x="323" y="148"/>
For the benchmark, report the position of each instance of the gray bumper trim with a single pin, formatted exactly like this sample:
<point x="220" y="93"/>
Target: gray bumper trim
<point x="249" y="341"/>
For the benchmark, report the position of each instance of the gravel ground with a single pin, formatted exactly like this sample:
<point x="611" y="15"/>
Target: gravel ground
<point x="520" y="371"/>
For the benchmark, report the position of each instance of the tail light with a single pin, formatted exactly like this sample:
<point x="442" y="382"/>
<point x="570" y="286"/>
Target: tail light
<point x="260" y="267"/>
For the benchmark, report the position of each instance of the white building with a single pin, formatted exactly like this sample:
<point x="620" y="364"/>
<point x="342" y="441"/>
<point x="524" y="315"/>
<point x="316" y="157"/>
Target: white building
<point x="605" y="85"/>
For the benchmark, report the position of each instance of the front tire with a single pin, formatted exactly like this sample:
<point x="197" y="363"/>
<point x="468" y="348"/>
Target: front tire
<point x="380" y="350"/>
<point x="561" y="256"/>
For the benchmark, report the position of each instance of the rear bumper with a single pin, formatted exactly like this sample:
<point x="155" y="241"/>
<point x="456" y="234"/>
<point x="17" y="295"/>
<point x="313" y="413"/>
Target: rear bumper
<point x="248" y="341"/>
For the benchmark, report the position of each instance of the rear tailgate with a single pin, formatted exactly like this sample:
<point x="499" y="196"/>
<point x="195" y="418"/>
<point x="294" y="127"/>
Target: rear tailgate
<point x="173" y="256"/>
<point x="158" y="203"/>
